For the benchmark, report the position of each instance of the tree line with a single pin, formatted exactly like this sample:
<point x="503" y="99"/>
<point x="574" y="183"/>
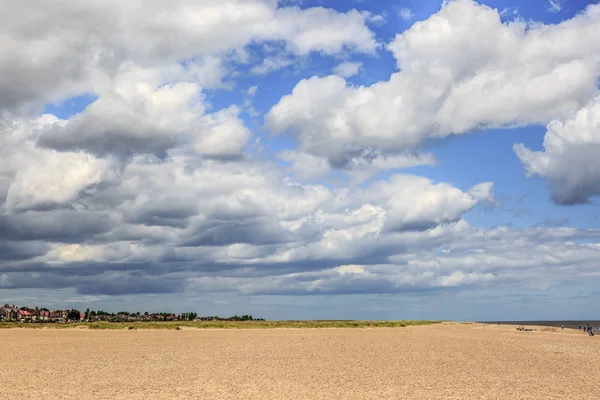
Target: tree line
<point x="186" y="316"/>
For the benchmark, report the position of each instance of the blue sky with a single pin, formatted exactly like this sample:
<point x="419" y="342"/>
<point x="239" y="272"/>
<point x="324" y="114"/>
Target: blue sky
<point x="304" y="159"/>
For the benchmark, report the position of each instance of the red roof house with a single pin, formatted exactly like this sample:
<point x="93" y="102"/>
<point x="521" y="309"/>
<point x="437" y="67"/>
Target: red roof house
<point x="23" y="315"/>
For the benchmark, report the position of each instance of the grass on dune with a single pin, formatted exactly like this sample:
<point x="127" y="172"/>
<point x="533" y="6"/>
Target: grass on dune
<point x="172" y="325"/>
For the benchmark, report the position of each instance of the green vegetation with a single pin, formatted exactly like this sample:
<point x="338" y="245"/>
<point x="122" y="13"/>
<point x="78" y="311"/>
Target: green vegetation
<point x="219" y="324"/>
<point x="74" y="315"/>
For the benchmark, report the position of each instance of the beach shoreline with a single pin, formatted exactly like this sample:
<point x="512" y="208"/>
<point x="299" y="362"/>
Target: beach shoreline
<point x="447" y="360"/>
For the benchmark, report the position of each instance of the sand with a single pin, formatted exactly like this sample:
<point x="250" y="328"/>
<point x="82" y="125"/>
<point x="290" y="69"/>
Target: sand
<point x="451" y="361"/>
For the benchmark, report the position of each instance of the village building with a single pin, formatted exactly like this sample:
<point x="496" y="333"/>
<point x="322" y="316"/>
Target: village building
<point x="8" y="313"/>
<point x="5" y="313"/>
<point x="24" y="315"/>
<point x="44" y="314"/>
<point x="38" y="315"/>
<point x="35" y="313"/>
<point x="55" y="315"/>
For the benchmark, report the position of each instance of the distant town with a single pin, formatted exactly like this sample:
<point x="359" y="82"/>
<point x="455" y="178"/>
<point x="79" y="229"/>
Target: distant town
<point x="13" y="313"/>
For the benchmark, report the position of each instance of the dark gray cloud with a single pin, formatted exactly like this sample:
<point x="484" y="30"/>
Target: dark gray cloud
<point x="130" y="285"/>
<point x="174" y="214"/>
<point x="37" y="279"/>
<point x="109" y="140"/>
<point x="18" y="251"/>
<point x="471" y="258"/>
<point x="568" y="193"/>
<point x="109" y="281"/>
<point x="58" y="225"/>
<point x="417" y="226"/>
<point x="262" y="230"/>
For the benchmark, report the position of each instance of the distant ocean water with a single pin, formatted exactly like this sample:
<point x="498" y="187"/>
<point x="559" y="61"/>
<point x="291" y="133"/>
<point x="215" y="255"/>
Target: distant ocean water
<point x="567" y="324"/>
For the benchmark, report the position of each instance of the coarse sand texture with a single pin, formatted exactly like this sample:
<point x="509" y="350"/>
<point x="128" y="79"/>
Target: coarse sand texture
<point x="450" y="361"/>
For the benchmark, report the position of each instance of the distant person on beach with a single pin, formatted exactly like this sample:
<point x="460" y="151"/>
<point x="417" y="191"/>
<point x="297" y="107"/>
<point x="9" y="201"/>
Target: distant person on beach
<point x="562" y="327"/>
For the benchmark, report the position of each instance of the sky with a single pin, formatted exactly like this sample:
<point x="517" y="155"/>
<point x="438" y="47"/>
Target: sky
<point x="302" y="159"/>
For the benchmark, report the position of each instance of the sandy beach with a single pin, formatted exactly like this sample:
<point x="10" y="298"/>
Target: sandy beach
<point x="452" y="361"/>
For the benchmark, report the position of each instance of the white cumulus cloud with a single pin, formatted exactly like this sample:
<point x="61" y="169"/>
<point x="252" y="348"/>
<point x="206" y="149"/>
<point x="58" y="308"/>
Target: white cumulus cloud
<point x="570" y="159"/>
<point x="347" y="69"/>
<point x="449" y="83"/>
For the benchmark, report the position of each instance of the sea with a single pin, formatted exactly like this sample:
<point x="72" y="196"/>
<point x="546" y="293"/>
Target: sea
<point x="567" y="324"/>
